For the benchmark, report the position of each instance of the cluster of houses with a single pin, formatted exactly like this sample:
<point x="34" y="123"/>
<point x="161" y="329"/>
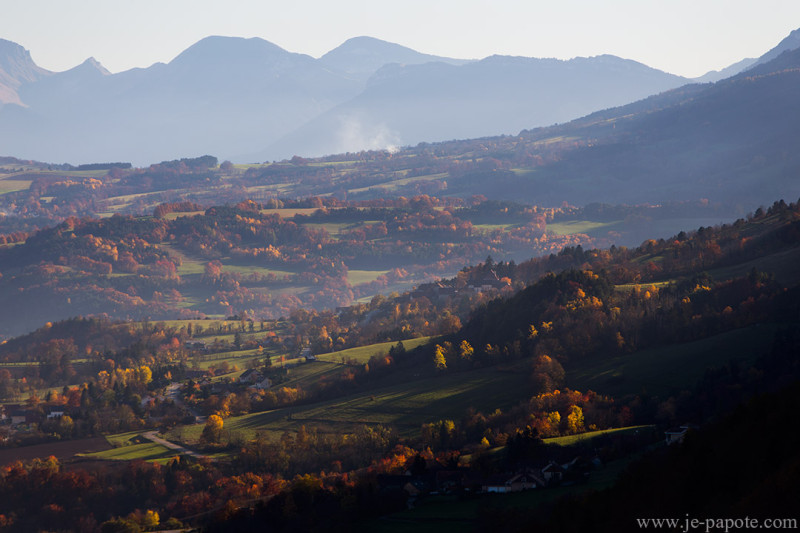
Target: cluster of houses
<point x="439" y="480"/>
<point x="18" y="416"/>
<point x="440" y="291"/>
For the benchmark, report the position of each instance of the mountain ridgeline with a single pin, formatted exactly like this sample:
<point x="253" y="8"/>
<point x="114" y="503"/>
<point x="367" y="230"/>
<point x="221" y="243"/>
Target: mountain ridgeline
<point x="248" y="99"/>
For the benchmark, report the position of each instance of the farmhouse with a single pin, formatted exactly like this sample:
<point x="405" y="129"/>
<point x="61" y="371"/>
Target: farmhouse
<point x="524" y="480"/>
<point x="676" y="434"/>
<point x="489" y="282"/>
<point x="255" y="379"/>
<point x="553" y="472"/>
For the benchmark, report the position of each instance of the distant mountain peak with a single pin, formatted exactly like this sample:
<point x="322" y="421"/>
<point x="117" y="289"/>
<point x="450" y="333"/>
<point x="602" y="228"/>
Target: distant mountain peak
<point x="16" y="64"/>
<point x="365" y="44"/>
<point x="364" y="55"/>
<point x="94" y="64"/>
<point x="221" y="49"/>
<point x="16" y="69"/>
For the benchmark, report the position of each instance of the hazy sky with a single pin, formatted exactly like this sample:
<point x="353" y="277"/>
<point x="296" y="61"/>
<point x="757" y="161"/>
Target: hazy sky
<point x="686" y="37"/>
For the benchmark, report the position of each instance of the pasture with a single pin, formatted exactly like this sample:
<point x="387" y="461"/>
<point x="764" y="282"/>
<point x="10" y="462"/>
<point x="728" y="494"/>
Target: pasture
<point x="362" y="354"/>
<point x="8" y="185"/>
<point x="588" y="227"/>
<point x="783" y="265"/>
<point x="359" y="277"/>
<point x="405" y="405"/>
<point x="147" y="451"/>
<point x="569" y="440"/>
<point x="666" y="370"/>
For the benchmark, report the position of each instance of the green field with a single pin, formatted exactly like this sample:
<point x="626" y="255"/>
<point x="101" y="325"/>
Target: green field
<point x="404" y="405"/>
<point x="253" y="269"/>
<point x="782" y="264"/>
<point x="665" y="370"/>
<point x="196" y="266"/>
<point x="588" y="227"/>
<point x="363" y="353"/>
<point x="493" y="227"/>
<point x="8" y="185"/>
<point x="176" y="215"/>
<point x="189" y="265"/>
<point x="289" y="212"/>
<point x="334" y="229"/>
<point x="569" y="440"/>
<point x="359" y="277"/>
<point x="305" y="374"/>
<point x="123" y="439"/>
<point x="392" y="184"/>
<point x="131" y="445"/>
<point x="233" y="358"/>
<point x="146" y="451"/>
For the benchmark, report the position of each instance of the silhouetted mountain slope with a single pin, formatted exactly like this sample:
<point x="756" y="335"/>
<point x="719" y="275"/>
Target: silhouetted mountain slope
<point x="732" y="142"/>
<point x="791" y="42"/>
<point x="727" y="72"/>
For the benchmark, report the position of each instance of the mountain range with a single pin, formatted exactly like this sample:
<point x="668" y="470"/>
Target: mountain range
<point x="731" y="143"/>
<point x="250" y="100"/>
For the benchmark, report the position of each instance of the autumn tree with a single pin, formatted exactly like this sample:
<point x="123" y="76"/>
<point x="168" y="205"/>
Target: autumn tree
<point x="575" y="419"/>
<point x="212" y="432"/>
<point x="439" y="360"/>
<point x="548" y="374"/>
<point x="465" y="350"/>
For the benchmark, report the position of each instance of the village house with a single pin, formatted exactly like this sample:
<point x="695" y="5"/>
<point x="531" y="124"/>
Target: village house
<point x="255" y="379"/>
<point x="524" y="480"/>
<point x="676" y="434"/>
<point x="553" y="472"/>
<point x="488" y="283"/>
<point x="20" y="416"/>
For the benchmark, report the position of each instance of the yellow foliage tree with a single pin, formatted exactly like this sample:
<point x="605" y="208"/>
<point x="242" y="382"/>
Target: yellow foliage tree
<point x="575" y="420"/>
<point x="466" y="350"/>
<point x="439" y="360"/>
<point x="212" y="432"/>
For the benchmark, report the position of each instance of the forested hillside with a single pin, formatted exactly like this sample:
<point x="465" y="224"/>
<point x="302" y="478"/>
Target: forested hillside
<point x="677" y="330"/>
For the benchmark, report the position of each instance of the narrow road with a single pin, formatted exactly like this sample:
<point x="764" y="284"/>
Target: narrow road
<point x="173" y="393"/>
<point x="152" y="436"/>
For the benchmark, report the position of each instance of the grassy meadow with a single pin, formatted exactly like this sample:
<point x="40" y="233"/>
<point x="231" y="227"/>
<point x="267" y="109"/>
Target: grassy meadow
<point x="405" y="405"/>
<point x="362" y="354"/>
<point x="147" y="451"/>
<point x="8" y="185"/>
<point x="665" y="370"/>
